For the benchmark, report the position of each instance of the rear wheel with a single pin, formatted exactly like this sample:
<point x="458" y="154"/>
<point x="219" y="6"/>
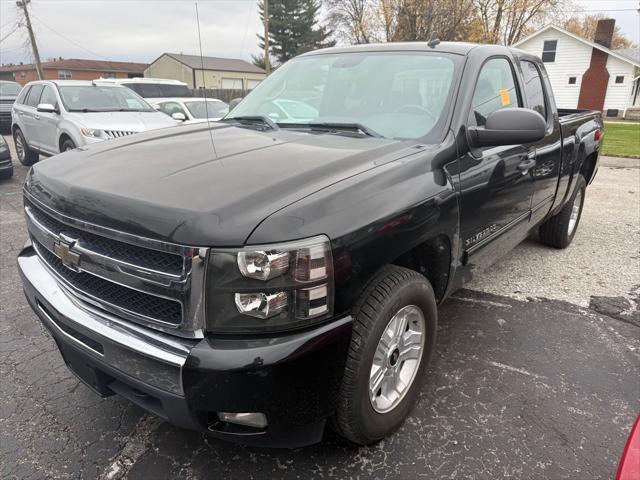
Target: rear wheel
<point x="394" y="334"/>
<point x="559" y="230"/>
<point x="26" y="155"/>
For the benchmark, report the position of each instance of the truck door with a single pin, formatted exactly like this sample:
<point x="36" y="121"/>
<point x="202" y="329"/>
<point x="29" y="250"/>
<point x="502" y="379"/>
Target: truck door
<point x="549" y="149"/>
<point x="495" y="182"/>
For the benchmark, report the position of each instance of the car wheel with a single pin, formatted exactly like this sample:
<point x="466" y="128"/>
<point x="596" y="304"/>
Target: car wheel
<point x="394" y="333"/>
<point x="559" y="230"/>
<point x="26" y="155"/>
<point x="67" y="145"/>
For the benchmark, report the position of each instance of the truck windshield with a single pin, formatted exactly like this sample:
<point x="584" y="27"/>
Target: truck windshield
<point x="400" y="95"/>
<point x="99" y="98"/>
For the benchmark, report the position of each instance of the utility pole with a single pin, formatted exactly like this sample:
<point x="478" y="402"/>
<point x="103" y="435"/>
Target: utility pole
<point x="23" y="4"/>
<point x="267" y="63"/>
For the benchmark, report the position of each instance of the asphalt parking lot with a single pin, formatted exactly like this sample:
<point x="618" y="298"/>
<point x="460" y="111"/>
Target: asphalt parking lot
<point x="536" y="375"/>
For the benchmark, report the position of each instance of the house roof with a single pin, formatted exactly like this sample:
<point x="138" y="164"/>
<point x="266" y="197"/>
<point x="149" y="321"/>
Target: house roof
<point x="215" y="63"/>
<point x="613" y="53"/>
<point x="630" y="53"/>
<point x="81" y="64"/>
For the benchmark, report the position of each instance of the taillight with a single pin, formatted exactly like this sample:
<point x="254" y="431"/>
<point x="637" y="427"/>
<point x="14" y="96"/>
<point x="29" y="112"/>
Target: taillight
<point x="596" y="136"/>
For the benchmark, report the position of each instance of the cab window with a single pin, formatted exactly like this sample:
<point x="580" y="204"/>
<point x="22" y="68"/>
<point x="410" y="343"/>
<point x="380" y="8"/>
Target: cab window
<point x="533" y="87"/>
<point x="495" y="89"/>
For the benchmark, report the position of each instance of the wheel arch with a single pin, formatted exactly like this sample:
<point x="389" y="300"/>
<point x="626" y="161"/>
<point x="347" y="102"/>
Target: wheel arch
<point x="431" y="258"/>
<point x="64" y="136"/>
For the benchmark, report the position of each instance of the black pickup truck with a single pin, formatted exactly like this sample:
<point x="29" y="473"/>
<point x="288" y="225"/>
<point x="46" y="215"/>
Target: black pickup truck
<point x="263" y="276"/>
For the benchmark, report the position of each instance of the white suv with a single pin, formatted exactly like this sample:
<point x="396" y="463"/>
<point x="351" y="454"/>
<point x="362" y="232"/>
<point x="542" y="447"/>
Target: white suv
<point x="154" y="90"/>
<point x="53" y="116"/>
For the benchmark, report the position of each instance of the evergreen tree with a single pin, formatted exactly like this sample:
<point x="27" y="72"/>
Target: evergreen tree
<point x="294" y="28"/>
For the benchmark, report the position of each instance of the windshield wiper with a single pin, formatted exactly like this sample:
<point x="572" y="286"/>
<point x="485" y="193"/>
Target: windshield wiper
<point x="253" y="118"/>
<point x="333" y="127"/>
<point x="86" y="110"/>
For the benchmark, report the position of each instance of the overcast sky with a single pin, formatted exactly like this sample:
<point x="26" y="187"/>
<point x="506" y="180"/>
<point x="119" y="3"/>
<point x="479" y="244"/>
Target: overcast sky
<point x="141" y="30"/>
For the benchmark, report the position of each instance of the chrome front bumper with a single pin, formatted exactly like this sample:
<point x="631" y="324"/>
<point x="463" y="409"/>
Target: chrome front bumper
<point x="154" y="358"/>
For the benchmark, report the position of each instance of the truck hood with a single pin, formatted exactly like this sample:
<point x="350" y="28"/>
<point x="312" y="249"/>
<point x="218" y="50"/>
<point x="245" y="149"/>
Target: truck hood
<point x="123" y="121"/>
<point x="172" y="185"/>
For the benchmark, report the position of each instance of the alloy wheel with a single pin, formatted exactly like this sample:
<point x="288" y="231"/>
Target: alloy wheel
<point x="397" y="358"/>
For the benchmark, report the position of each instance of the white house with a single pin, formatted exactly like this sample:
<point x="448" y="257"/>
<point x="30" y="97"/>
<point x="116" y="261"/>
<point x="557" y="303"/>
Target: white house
<point x="585" y="73"/>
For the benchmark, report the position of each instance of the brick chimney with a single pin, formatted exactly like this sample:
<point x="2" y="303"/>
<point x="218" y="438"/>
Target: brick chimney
<point x="593" y="89"/>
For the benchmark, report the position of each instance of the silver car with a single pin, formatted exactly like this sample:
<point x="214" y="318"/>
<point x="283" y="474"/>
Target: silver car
<point x="53" y="116"/>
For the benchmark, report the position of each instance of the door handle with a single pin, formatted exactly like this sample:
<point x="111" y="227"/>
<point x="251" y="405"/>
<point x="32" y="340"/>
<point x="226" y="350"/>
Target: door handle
<point x="37" y="117"/>
<point x="526" y="165"/>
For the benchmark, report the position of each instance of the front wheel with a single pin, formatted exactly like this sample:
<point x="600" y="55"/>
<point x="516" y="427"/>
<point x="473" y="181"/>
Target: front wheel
<point x="67" y="145"/>
<point x="394" y="334"/>
<point x="559" y="230"/>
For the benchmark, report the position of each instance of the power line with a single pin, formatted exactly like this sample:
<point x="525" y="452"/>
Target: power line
<point x="15" y="29"/>
<point x="68" y="39"/>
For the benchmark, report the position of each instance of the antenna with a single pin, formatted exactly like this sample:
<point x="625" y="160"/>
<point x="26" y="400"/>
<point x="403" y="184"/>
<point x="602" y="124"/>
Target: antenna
<point x="204" y="84"/>
<point x="434" y="41"/>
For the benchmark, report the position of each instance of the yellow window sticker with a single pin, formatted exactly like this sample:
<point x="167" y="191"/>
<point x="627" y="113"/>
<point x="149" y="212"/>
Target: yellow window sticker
<point x="504" y="96"/>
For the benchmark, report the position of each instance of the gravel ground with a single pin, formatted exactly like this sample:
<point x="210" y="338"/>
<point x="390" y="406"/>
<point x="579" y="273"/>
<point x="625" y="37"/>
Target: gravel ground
<point x="535" y="375"/>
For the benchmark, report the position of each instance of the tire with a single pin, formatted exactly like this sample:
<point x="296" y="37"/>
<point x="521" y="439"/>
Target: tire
<point x="559" y="230"/>
<point x="67" y="145"/>
<point x="26" y="155"/>
<point x="365" y="417"/>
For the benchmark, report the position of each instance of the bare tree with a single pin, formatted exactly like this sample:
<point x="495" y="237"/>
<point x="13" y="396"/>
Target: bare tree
<point x="507" y="21"/>
<point x="424" y="19"/>
<point x="354" y="19"/>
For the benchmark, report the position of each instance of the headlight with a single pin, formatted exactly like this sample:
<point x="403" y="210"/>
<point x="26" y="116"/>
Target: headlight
<point x="92" y="132"/>
<point x="270" y="287"/>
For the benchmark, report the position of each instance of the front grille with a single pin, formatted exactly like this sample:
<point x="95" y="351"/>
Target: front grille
<point x="124" y="252"/>
<point x="142" y="280"/>
<point x="118" y="133"/>
<point x="139" y="303"/>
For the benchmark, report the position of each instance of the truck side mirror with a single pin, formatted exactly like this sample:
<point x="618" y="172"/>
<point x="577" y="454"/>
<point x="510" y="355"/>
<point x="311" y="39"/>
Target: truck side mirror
<point x="509" y="126"/>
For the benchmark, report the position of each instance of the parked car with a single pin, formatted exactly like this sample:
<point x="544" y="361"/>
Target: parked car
<point x="193" y="110"/>
<point x="6" y="167"/>
<point x="8" y="93"/>
<point x="259" y="280"/>
<point x="153" y="89"/>
<point x="58" y="115"/>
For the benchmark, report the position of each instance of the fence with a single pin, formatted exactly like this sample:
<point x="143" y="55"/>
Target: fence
<point x="224" y="94"/>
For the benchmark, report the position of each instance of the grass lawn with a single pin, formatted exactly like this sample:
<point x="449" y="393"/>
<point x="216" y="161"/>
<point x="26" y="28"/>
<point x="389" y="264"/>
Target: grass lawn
<point x="621" y="139"/>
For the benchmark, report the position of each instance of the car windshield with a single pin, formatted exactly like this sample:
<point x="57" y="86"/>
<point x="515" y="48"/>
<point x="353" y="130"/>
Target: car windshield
<point x="101" y="98"/>
<point x="398" y="95"/>
<point x="159" y="90"/>
<point x="10" y="88"/>
<point x="208" y="109"/>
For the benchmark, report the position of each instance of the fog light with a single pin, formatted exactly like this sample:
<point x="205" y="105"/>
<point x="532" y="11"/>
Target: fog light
<point x="261" y="305"/>
<point x="256" y="420"/>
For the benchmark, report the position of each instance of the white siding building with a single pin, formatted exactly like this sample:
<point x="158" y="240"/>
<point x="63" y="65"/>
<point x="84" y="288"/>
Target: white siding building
<point x="567" y="58"/>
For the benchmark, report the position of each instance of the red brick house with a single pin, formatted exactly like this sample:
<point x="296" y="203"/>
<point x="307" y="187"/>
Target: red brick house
<point x="72" y="69"/>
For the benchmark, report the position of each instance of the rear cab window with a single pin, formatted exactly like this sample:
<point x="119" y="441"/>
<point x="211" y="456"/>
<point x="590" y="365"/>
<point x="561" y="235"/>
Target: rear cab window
<point x="495" y="89"/>
<point x="533" y="88"/>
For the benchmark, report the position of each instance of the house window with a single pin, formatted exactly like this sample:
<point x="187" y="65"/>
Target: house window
<point x="549" y="51"/>
<point x="620" y="79"/>
<point x="64" y="74"/>
<point x="572" y="80"/>
<point x="109" y="75"/>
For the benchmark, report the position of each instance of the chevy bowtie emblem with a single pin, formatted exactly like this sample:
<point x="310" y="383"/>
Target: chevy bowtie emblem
<point x="62" y="248"/>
